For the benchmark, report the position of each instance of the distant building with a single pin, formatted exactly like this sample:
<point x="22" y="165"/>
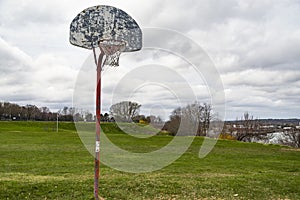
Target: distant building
<point x="267" y="126"/>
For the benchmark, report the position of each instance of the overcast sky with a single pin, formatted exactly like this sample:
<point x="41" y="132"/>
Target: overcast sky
<point x="255" y="46"/>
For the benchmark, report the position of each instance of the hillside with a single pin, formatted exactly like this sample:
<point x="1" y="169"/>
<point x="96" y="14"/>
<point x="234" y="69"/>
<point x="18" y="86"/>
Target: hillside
<point x="39" y="163"/>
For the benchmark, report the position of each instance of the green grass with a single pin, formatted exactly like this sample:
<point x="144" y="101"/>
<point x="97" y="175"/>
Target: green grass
<point x="38" y="163"/>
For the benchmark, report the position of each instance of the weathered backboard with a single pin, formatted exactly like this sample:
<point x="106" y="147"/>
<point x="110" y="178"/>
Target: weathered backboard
<point x="105" y="23"/>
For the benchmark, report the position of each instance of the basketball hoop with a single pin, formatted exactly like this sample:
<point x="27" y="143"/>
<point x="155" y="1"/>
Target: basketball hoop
<point x="90" y="29"/>
<point x="112" y="50"/>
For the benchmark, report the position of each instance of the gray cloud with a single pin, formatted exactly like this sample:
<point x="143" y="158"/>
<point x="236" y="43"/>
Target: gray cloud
<point x="254" y="44"/>
<point x="43" y="80"/>
<point x="25" y="13"/>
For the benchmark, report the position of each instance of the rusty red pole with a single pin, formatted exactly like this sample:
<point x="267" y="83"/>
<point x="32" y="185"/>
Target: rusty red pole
<point x="98" y="112"/>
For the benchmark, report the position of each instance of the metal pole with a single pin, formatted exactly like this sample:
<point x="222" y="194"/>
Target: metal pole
<point x="57" y="122"/>
<point x="98" y="112"/>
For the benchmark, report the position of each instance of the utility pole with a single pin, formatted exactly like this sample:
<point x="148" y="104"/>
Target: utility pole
<point x="57" y="122"/>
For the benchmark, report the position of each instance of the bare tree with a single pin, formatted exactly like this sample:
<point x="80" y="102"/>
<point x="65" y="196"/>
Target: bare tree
<point x="125" y="110"/>
<point x="246" y="129"/>
<point x="44" y="113"/>
<point x="1" y="110"/>
<point x="12" y="111"/>
<point x="192" y="116"/>
<point x="68" y="114"/>
<point x="173" y="124"/>
<point x="78" y="117"/>
<point x="32" y="112"/>
<point x="88" y="117"/>
<point x="291" y="137"/>
<point x="199" y="117"/>
<point x="65" y="110"/>
<point x="194" y="119"/>
<point x="206" y="118"/>
<point x="71" y="111"/>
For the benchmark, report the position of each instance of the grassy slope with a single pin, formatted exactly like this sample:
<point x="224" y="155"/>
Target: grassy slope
<point x="38" y="163"/>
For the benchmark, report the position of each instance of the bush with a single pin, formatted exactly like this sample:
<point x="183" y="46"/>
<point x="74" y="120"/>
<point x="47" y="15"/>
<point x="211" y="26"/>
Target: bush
<point x="226" y="136"/>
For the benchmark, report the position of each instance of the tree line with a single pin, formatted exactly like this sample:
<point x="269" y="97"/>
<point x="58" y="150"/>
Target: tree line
<point x="12" y="111"/>
<point x="249" y="129"/>
<point x="193" y="119"/>
<point x="125" y="111"/>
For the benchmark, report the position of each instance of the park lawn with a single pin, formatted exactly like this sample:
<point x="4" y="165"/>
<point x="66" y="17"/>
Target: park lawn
<point x="36" y="162"/>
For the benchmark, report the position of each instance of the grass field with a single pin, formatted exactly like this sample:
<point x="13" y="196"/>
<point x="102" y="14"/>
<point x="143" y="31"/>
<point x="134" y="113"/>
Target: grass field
<point x="38" y="163"/>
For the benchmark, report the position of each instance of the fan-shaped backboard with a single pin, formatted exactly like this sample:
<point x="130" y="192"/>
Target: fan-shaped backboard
<point x="102" y="23"/>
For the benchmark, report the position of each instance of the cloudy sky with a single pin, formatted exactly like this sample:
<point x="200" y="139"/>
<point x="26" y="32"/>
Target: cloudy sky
<point x="254" y="45"/>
